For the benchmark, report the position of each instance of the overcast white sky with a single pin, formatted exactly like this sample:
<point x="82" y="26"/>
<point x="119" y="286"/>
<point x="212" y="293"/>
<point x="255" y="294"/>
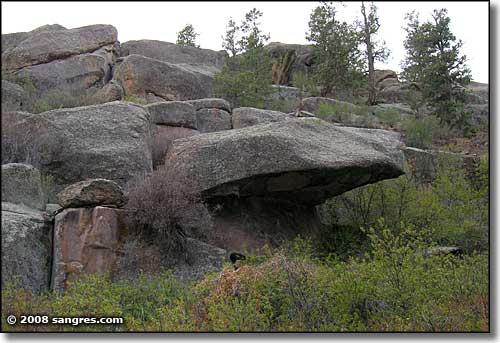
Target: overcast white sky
<point x="285" y="21"/>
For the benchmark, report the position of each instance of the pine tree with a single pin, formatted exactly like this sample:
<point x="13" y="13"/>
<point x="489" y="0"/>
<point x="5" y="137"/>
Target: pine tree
<point x="246" y="78"/>
<point x="187" y="36"/>
<point x="434" y="62"/>
<point x="338" y="60"/>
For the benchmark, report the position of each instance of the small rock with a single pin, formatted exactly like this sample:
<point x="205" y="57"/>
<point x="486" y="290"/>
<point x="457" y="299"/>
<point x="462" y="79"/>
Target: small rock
<point x="212" y="120"/>
<point x="91" y="193"/>
<point x="173" y="113"/>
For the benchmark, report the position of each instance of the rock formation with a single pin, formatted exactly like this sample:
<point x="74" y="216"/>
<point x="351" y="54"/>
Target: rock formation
<point x="26" y="230"/>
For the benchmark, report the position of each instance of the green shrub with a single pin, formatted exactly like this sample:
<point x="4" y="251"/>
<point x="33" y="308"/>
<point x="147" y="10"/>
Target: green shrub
<point x="389" y="117"/>
<point x="421" y="133"/>
<point x="339" y="112"/>
<point x="135" y="99"/>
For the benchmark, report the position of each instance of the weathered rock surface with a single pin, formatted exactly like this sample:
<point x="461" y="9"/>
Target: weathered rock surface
<point x="173" y="53"/>
<point x="85" y="241"/>
<point x="48" y="45"/>
<point x="173" y="113"/>
<point x="21" y="184"/>
<point x="211" y="103"/>
<point x="479" y="93"/>
<point x="425" y="163"/>
<point x="110" y="141"/>
<point x="249" y="116"/>
<point x="68" y="76"/>
<point x="141" y="75"/>
<point x="25" y="247"/>
<point x="285" y="98"/>
<point x="305" y="159"/>
<point x="212" y="120"/>
<point x="289" y="59"/>
<point x="13" y="96"/>
<point x="92" y="192"/>
<point x="246" y="224"/>
<point x="11" y="40"/>
<point x="202" y="258"/>
<point x="163" y="136"/>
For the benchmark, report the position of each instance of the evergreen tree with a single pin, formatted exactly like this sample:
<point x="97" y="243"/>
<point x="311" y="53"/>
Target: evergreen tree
<point x="375" y="50"/>
<point x="187" y="36"/>
<point x="433" y="61"/>
<point x="246" y="78"/>
<point x="338" y="60"/>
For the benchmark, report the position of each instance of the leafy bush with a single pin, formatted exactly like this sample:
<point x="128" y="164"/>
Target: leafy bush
<point x="389" y="117"/>
<point x="454" y="207"/>
<point x="421" y="133"/>
<point x="396" y="287"/>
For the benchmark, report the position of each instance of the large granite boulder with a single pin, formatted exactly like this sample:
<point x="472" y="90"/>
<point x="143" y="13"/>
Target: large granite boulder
<point x="173" y="113"/>
<point x="212" y="120"/>
<point x="110" y="141"/>
<point x="11" y="40"/>
<point x="249" y="116"/>
<point x="25" y="247"/>
<point x="175" y="54"/>
<point x="48" y="45"/>
<point x="70" y="76"/>
<point x="163" y="137"/>
<point x="305" y="159"/>
<point x="13" y="96"/>
<point x="21" y="184"/>
<point x="139" y="75"/>
<point x="94" y="192"/>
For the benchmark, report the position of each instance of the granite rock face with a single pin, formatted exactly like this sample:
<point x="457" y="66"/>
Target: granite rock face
<point x="25" y="246"/>
<point x="139" y="75"/>
<point x="85" y="242"/>
<point x="48" y="45"/>
<point x="21" y="184"/>
<point x="249" y="116"/>
<point x="110" y="141"/>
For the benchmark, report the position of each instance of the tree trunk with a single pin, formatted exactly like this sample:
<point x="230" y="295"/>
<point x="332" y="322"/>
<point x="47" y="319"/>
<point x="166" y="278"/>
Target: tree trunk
<point x="369" y="51"/>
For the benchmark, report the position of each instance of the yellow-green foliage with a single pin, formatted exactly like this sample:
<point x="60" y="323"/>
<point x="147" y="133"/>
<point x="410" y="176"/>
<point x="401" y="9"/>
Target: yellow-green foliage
<point x="397" y="287"/>
<point x="135" y="99"/>
<point x="454" y="207"/>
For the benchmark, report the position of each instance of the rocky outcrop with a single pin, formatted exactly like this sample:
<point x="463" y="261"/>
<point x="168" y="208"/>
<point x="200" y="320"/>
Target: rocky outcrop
<point x="306" y="159"/>
<point x="11" y="40"/>
<point x="173" y="113"/>
<point x="262" y="182"/>
<point x="140" y="75"/>
<point x="163" y="137"/>
<point x="85" y="241"/>
<point x="212" y="120"/>
<point x="21" y="184"/>
<point x="68" y="77"/>
<point x="49" y="45"/>
<point x="249" y="116"/>
<point x="110" y="141"/>
<point x="94" y="192"/>
<point x="175" y="54"/>
<point x="211" y="103"/>
<point x="25" y="247"/>
<point x="25" y="228"/>
<point x="289" y="59"/>
<point x="13" y="96"/>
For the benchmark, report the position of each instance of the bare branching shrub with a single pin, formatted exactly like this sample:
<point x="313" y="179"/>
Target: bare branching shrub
<point x="165" y="204"/>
